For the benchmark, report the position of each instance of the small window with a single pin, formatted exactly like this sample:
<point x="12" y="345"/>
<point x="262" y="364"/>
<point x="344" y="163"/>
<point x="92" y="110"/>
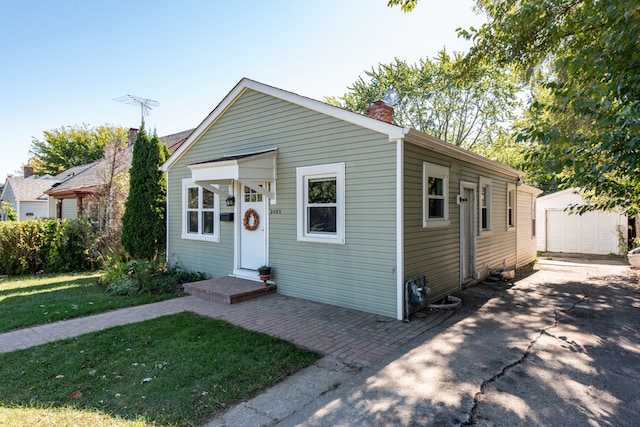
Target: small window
<point x="511" y="203"/>
<point x="533" y="216"/>
<point x="200" y="220"/>
<point x="435" y="195"/>
<point x="321" y="206"/>
<point x="485" y="204"/>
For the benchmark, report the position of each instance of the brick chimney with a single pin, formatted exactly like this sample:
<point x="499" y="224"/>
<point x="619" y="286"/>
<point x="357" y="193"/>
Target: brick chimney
<point x="28" y="171"/>
<point x="379" y="110"/>
<point x="133" y="133"/>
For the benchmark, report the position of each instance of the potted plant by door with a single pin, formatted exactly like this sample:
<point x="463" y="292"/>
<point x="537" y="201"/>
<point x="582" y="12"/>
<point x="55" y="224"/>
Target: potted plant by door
<point x="264" y="271"/>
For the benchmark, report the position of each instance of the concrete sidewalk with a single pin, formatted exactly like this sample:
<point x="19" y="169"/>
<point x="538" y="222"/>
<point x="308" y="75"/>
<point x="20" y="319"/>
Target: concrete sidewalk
<point x="561" y="347"/>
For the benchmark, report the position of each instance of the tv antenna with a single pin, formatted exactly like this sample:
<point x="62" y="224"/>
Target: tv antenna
<point x="144" y="103"/>
<point x="391" y="97"/>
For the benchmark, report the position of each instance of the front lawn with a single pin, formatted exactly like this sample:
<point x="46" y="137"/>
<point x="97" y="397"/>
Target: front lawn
<point x="33" y="300"/>
<point x="175" y="370"/>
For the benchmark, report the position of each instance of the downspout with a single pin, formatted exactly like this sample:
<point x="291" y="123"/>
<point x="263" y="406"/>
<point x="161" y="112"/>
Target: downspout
<point x="166" y="218"/>
<point x="400" y="228"/>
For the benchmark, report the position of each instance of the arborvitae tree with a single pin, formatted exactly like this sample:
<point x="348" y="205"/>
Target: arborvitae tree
<point x="143" y="223"/>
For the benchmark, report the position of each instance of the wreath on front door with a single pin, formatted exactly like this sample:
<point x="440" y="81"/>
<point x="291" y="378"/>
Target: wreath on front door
<point x="248" y="224"/>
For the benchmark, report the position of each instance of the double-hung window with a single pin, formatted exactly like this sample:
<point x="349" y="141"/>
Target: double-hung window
<point x="435" y="195"/>
<point x="321" y="203"/>
<point x="485" y="204"/>
<point x="200" y="207"/>
<point x="511" y="206"/>
<point x="533" y="216"/>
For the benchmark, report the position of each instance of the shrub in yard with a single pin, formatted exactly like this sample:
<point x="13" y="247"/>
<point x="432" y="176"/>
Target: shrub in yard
<point x="46" y="245"/>
<point x="145" y="277"/>
<point x="72" y="246"/>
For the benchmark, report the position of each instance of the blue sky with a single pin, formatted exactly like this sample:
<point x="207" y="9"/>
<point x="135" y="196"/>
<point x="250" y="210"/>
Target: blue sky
<point x="64" y="62"/>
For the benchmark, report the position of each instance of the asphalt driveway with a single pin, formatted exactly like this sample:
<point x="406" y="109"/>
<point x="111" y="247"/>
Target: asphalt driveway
<point x="558" y="347"/>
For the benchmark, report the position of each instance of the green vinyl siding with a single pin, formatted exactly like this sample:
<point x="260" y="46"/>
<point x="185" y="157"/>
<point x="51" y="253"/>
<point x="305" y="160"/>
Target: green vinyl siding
<point x="360" y="274"/>
<point x="495" y="248"/>
<point x="527" y="242"/>
<point x="435" y="252"/>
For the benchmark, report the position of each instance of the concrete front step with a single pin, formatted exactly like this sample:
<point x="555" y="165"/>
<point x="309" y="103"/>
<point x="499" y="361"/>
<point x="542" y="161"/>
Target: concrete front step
<point x="228" y="290"/>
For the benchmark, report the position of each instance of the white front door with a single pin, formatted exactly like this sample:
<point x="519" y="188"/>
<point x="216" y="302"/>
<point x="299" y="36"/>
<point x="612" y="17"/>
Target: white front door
<point x="253" y="229"/>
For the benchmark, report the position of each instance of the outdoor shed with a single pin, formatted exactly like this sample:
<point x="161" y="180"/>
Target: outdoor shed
<point x="347" y="209"/>
<point x="595" y="232"/>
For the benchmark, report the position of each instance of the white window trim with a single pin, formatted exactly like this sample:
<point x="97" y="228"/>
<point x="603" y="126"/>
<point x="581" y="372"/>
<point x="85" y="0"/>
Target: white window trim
<point x="435" y="171"/>
<point x="336" y="170"/>
<point x="511" y="189"/>
<point x="215" y="237"/>
<point x="485" y="183"/>
<point x="533" y="217"/>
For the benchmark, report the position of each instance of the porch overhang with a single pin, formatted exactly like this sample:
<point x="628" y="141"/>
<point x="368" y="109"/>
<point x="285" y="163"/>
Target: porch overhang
<point x="248" y="169"/>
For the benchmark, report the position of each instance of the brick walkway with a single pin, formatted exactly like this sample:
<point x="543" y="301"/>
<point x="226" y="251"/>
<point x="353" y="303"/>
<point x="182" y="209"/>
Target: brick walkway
<point x="351" y="335"/>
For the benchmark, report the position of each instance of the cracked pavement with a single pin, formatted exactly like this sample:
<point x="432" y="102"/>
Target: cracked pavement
<point x="559" y="346"/>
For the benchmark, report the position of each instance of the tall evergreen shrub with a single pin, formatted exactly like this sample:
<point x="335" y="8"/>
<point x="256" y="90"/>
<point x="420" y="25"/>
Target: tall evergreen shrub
<point x="143" y="222"/>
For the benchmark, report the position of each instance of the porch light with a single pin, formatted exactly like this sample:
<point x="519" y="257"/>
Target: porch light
<point x="231" y="201"/>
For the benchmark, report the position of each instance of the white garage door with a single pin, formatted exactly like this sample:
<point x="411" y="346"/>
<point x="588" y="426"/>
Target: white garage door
<point x="590" y="233"/>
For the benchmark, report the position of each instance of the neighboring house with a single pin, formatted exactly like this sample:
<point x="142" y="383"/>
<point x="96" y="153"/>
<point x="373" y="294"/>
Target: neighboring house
<point x="174" y="141"/>
<point x="561" y="230"/>
<point x="345" y="208"/>
<point x="78" y="189"/>
<point x="81" y="186"/>
<point x="25" y="195"/>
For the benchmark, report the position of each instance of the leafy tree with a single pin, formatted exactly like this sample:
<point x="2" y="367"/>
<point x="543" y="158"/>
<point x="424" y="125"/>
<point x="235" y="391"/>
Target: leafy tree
<point x="108" y="209"/>
<point x="7" y="210"/>
<point x="68" y="146"/>
<point x="143" y="222"/>
<point x="589" y="120"/>
<point x="468" y="107"/>
<point x="405" y="5"/>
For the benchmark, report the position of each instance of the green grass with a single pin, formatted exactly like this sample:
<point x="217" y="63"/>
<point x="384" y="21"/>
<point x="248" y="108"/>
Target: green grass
<point x="33" y="300"/>
<point x="175" y="370"/>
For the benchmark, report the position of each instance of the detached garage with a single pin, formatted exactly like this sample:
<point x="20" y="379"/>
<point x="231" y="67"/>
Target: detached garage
<point x="560" y="230"/>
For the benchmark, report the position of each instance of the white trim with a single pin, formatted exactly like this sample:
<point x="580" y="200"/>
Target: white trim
<point x="483" y="183"/>
<point x="440" y="172"/>
<point x="472" y="235"/>
<point x="511" y="188"/>
<point x="302" y="173"/>
<point x="215" y="237"/>
<point x="394" y="132"/>
<point x="400" y="229"/>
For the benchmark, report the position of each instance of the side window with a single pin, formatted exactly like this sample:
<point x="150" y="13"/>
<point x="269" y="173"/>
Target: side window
<point x="533" y="216"/>
<point x="511" y="211"/>
<point x="435" y="195"/>
<point x="511" y="206"/>
<point x="485" y="204"/>
<point x="200" y="207"/>
<point x="320" y="192"/>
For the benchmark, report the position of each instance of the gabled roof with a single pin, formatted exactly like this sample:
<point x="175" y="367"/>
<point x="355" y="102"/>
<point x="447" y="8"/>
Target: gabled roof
<point x="394" y="132"/>
<point x="28" y="189"/>
<point x="87" y="177"/>
<point x="174" y="141"/>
